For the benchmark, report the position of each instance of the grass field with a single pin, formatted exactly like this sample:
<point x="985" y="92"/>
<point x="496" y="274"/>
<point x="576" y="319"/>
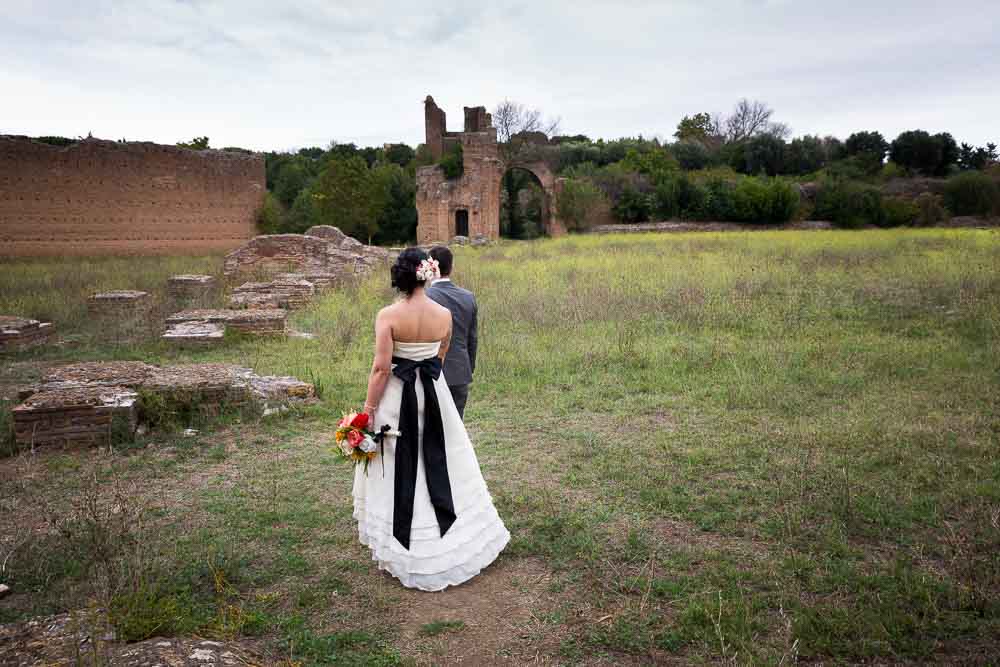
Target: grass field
<point x="737" y="447"/>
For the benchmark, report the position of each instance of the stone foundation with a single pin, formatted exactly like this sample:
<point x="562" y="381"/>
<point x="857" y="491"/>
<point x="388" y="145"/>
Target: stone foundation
<point x="191" y="290"/>
<point x="194" y="334"/>
<point x="93" y="402"/>
<point x="282" y="292"/>
<point x="263" y="322"/>
<point x="20" y="333"/>
<point x="77" y="416"/>
<point x="123" y="312"/>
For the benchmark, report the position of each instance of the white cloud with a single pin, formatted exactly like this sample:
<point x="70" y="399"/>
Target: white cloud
<point x="267" y="75"/>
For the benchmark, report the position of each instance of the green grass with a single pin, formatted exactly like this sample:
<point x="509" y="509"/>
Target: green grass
<point x="750" y="446"/>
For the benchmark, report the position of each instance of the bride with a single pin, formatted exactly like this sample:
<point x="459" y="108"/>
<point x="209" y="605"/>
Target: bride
<point x="426" y="514"/>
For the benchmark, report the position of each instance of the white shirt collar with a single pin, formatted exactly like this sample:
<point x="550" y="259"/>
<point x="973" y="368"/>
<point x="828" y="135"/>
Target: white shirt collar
<point x="440" y="280"/>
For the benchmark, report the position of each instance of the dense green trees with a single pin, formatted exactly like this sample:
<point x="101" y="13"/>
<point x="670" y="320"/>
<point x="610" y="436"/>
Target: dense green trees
<point x="364" y="191"/>
<point x="739" y="167"/>
<point x="348" y="196"/>
<point x="930" y="155"/>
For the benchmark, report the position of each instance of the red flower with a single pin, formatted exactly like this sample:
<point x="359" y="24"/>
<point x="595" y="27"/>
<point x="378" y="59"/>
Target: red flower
<point x="361" y="421"/>
<point x="355" y="438"/>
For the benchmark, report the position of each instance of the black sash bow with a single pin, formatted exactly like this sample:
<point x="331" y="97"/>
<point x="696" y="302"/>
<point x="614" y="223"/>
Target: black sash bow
<point x="435" y="460"/>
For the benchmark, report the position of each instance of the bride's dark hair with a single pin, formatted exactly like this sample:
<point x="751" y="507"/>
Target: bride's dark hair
<point x="404" y="271"/>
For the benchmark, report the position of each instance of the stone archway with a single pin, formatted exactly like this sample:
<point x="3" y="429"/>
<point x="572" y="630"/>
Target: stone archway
<point x="550" y="185"/>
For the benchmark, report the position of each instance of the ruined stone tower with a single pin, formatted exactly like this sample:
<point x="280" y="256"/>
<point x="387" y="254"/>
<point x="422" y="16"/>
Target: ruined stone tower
<point x="468" y="205"/>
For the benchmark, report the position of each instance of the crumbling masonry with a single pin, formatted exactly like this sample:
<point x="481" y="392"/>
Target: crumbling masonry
<point x="470" y="204"/>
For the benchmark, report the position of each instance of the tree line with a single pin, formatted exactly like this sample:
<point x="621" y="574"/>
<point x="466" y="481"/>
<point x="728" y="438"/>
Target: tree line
<point x="742" y="166"/>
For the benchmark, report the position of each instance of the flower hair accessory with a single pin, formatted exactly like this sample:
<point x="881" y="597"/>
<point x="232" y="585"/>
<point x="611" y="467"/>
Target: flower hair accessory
<point x="428" y="270"/>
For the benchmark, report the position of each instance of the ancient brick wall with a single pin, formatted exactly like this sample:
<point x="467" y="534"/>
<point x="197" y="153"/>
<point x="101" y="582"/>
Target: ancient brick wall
<point x="104" y="197"/>
<point x="477" y="192"/>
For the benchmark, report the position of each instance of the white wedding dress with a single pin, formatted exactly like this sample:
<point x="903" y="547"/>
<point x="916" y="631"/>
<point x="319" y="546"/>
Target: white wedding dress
<point x="477" y="536"/>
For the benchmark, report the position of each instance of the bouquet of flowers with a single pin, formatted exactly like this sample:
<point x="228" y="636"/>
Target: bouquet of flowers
<point x="357" y="441"/>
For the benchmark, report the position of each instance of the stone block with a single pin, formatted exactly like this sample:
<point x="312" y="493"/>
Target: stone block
<point x="123" y="312"/>
<point x="284" y="389"/>
<point x="20" y="333"/>
<point x="198" y="386"/>
<point x="193" y="290"/>
<point x="283" y="292"/>
<point x="81" y="415"/>
<point x="263" y="322"/>
<point x="195" y="334"/>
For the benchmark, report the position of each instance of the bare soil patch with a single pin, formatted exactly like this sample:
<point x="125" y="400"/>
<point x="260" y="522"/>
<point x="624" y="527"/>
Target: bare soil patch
<point x="494" y="618"/>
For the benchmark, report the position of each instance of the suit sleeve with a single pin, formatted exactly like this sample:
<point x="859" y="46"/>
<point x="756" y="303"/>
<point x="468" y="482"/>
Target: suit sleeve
<point x="473" y="337"/>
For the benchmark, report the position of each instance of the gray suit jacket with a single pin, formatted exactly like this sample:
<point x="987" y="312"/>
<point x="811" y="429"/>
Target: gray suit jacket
<point x="460" y="363"/>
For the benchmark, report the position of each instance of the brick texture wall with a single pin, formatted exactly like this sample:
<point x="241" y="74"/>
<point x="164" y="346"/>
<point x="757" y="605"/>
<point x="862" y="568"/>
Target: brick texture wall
<point x="104" y="197"/>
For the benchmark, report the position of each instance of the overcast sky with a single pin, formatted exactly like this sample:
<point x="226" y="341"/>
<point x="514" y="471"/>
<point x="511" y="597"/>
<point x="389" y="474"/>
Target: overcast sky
<point x="286" y="74"/>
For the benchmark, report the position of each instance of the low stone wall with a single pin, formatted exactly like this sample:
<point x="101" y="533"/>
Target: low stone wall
<point x="20" y="333"/>
<point x="74" y="416"/>
<point x="263" y="322"/>
<point x="92" y="403"/>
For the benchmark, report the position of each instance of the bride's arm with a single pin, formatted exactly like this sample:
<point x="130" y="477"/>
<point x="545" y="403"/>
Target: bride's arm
<point x="445" y="344"/>
<point x="382" y="365"/>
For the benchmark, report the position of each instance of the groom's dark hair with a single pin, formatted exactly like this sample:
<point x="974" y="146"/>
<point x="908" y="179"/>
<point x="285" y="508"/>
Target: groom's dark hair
<point x="444" y="259"/>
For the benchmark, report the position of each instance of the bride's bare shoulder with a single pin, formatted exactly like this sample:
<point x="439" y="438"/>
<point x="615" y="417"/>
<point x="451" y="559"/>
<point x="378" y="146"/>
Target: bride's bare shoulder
<point x="389" y="312"/>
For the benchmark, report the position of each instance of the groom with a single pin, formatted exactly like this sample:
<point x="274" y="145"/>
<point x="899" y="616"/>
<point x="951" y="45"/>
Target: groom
<point x="460" y="363"/>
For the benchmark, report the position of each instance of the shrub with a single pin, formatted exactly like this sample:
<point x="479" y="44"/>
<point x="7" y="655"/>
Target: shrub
<point x="57" y="141"/>
<point x="747" y="199"/>
<point x="972" y="193"/>
<point x="665" y="200"/>
<point x="577" y="204"/>
<point x="898" y="212"/>
<point x="271" y="217"/>
<point x="713" y="199"/>
<point x="691" y="155"/>
<point x="849" y="205"/>
<point x="763" y="200"/>
<point x="784" y="201"/>
<point x="633" y="206"/>
<point x="452" y="163"/>
<point x="930" y="210"/>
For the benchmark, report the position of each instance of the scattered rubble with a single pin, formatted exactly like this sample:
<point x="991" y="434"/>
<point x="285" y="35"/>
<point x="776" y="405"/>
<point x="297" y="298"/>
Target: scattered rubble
<point x="258" y="322"/>
<point x="321" y="250"/>
<point x="61" y="640"/>
<point x="90" y="402"/>
<point x="19" y="333"/>
<point x="191" y="290"/>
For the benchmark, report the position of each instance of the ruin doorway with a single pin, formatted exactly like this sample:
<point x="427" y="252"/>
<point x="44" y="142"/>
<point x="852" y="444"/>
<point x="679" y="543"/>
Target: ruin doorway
<point x="461" y="222"/>
<point x="524" y="204"/>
